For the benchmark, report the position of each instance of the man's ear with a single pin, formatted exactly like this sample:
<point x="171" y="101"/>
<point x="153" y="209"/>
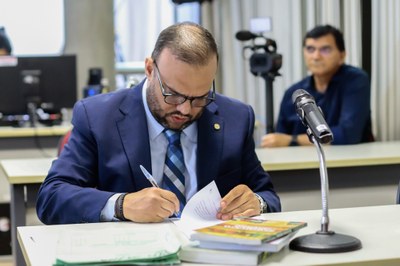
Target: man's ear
<point x="342" y="56"/>
<point x="148" y="67"/>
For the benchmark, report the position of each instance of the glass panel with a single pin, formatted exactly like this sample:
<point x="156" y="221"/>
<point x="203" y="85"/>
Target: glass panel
<point x="34" y="27"/>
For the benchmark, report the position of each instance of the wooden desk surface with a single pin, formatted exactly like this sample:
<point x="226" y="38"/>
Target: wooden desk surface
<point x="377" y="227"/>
<point x="306" y="157"/>
<point x="26" y="171"/>
<point x="42" y="131"/>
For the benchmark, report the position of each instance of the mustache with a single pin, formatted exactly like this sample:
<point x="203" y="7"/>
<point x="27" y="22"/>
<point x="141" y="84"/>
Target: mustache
<point x="179" y="114"/>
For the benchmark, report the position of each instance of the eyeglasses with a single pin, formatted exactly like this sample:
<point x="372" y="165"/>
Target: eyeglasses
<point x="177" y="98"/>
<point x="324" y="50"/>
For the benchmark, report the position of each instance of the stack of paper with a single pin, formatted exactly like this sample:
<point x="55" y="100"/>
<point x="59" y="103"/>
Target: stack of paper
<point x="119" y="245"/>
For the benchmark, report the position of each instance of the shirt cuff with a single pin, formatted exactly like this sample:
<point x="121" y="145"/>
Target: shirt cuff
<point x="107" y="213"/>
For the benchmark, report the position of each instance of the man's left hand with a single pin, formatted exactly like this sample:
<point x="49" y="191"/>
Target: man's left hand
<point x="240" y="201"/>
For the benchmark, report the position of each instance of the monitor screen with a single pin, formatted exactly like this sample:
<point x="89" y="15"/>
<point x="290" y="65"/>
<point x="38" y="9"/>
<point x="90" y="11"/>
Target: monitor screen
<point x="48" y="83"/>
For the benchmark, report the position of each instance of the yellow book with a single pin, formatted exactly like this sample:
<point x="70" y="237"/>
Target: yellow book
<point x="247" y="231"/>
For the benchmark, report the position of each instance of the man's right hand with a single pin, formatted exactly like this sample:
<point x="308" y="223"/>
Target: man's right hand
<point x="150" y="205"/>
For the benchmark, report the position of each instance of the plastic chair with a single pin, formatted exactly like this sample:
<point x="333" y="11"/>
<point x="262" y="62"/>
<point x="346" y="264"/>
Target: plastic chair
<point x="61" y="143"/>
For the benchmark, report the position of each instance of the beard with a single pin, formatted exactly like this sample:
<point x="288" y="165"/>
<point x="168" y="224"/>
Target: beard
<point x="162" y="117"/>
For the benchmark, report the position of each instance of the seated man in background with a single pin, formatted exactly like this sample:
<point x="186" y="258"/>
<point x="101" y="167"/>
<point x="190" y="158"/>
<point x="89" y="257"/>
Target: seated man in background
<point x="173" y="114"/>
<point x="5" y="45"/>
<point x="341" y="91"/>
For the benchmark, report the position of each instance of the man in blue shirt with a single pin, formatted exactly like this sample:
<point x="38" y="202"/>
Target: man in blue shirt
<point x="341" y="91"/>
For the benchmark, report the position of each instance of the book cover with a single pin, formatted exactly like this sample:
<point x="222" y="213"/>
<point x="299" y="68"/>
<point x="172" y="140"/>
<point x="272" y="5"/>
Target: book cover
<point x="273" y="246"/>
<point x="249" y="231"/>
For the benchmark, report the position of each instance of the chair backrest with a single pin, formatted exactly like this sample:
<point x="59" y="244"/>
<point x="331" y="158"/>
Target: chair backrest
<point x="64" y="139"/>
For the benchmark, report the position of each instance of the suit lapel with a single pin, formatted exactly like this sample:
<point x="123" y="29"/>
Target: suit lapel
<point x="209" y="146"/>
<point x="134" y="135"/>
<point x="136" y="140"/>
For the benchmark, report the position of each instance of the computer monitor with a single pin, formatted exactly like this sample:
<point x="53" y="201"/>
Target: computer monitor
<point x="46" y="83"/>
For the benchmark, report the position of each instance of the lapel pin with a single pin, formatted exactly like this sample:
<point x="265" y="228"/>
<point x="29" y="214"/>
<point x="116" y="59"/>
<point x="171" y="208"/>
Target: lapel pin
<point x="217" y="126"/>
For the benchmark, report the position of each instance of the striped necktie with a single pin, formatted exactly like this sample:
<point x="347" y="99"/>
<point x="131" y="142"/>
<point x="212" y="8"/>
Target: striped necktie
<point x="174" y="168"/>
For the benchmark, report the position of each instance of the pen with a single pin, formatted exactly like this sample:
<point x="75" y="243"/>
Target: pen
<point x="152" y="181"/>
<point x="149" y="176"/>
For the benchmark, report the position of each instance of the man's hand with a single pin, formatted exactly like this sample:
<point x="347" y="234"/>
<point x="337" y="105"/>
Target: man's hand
<point x="240" y="201"/>
<point x="150" y="205"/>
<point x="275" y="140"/>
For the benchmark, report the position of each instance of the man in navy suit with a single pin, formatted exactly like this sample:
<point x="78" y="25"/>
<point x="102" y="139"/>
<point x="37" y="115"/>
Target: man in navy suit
<point x="97" y="176"/>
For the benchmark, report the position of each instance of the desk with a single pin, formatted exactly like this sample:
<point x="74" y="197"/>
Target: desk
<point x="17" y="132"/>
<point x="377" y="227"/>
<point x="359" y="175"/>
<point x="337" y="156"/>
<point x="15" y="138"/>
<point x="21" y="174"/>
<point x="26" y="142"/>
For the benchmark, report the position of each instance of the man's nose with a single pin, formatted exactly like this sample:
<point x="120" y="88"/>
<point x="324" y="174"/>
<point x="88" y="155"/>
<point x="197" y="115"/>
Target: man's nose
<point x="316" y="54"/>
<point x="184" y="107"/>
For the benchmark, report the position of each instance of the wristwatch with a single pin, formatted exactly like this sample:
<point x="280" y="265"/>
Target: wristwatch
<point x="263" y="204"/>
<point x="118" y="207"/>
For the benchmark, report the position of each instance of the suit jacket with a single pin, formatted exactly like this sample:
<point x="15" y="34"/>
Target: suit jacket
<point x="110" y="140"/>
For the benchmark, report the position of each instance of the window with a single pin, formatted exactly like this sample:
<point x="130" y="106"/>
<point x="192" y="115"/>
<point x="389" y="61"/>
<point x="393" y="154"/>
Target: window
<point x="34" y="27"/>
<point x="137" y="25"/>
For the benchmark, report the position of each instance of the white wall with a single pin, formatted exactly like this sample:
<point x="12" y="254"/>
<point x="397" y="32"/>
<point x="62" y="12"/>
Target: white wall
<point x="89" y="33"/>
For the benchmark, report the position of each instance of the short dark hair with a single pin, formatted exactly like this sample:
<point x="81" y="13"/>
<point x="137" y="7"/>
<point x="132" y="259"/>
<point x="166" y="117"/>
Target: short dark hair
<point x="189" y="42"/>
<point x="4" y="41"/>
<point x="323" y="30"/>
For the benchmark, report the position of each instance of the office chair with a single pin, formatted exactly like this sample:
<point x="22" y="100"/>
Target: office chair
<point x="63" y="140"/>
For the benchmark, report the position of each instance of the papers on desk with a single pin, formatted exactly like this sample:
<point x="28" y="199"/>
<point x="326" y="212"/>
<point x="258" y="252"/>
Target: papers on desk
<point x="126" y="243"/>
<point x="201" y="211"/>
<point x="119" y="243"/>
<point x="123" y="245"/>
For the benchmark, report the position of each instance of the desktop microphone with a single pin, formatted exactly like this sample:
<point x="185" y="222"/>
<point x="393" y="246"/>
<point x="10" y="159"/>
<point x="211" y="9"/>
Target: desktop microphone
<point x="245" y="35"/>
<point x="324" y="240"/>
<point x="311" y="116"/>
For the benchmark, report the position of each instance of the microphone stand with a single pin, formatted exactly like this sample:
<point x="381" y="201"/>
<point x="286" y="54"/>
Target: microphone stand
<point x="269" y="101"/>
<point x="324" y="240"/>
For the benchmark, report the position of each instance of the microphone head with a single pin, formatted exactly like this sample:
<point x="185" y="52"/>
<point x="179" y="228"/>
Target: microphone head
<point x="311" y="116"/>
<point x="301" y="97"/>
<point x="245" y="35"/>
<point x="300" y="93"/>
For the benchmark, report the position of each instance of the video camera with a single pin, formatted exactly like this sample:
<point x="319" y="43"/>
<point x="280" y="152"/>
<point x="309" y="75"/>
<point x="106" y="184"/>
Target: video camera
<point x="264" y="60"/>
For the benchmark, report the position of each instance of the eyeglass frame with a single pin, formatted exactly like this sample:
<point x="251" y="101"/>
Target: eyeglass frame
<point x="177" y="94"/>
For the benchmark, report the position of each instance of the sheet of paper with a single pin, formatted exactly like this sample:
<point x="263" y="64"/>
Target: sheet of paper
<point x="116" y="244"/>
<point x="200" y="210"/>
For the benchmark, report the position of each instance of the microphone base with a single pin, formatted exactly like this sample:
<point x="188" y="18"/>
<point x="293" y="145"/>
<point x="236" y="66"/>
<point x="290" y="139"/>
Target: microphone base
<point x="325" y="242"/>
